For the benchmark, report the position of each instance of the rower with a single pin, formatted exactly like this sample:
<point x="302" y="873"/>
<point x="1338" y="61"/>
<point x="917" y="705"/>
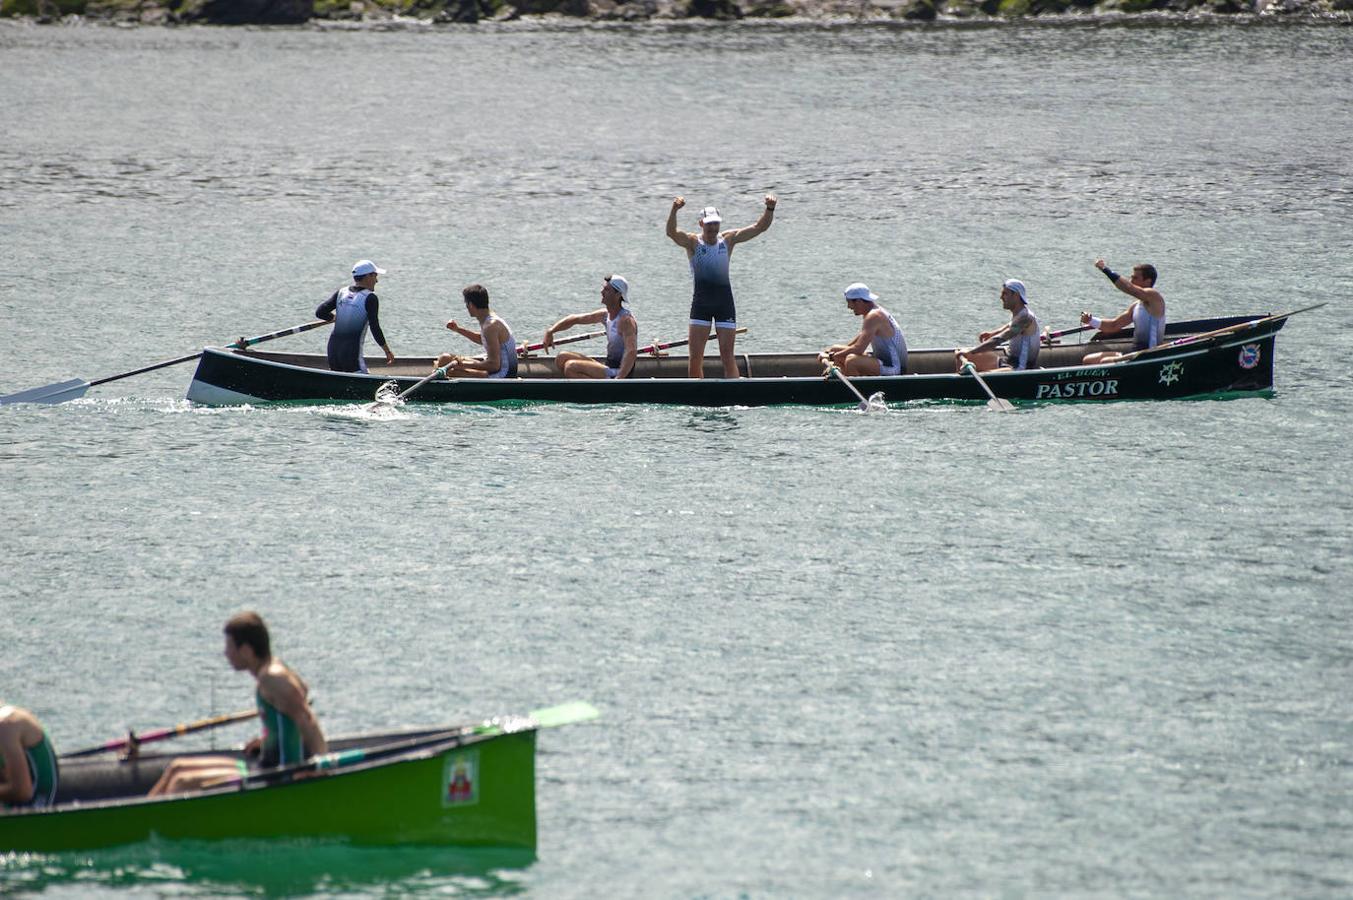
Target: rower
<point x="353" y="310"/>
<point x="708" y="253"/>
<point x="879" y="331"/>
<point x="291" y="733"/>
<point x="28" y="768"/>
<point x="1146" y="313"/>
<point x="622" y="335"/>
<point x="500" y="347"/>
<point x="1022" y="333"/>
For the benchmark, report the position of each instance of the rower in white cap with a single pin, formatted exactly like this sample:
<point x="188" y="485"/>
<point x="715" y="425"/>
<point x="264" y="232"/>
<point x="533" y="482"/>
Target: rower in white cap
<point x="712" y="294"/>
<point x="879" y="331"/>
<point x="1021" y="332"/>
<point x="622" y="335"/>
<point x="353" y="310"/>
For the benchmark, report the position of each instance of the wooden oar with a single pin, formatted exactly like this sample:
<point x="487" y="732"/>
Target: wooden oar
<point x="159" y="734"/>
<point x="865" y="404"/>
<point x="667" y="345"/>
<point x="1207" y="335"/>
<point x="75" y="388"/>
<point x="551" y="717"/>
<point x="995" y="403"/>
<point x="540" y="345"/>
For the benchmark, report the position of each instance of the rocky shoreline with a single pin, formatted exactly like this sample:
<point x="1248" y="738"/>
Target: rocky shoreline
<point x="297" y="12"/>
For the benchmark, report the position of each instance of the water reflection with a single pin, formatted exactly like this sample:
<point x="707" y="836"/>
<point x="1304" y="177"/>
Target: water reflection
<point x="274" y="868"/>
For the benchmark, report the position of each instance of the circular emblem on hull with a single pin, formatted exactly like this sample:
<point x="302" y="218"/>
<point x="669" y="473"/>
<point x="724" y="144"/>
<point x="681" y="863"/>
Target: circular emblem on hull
<point x="1249" y="356"/>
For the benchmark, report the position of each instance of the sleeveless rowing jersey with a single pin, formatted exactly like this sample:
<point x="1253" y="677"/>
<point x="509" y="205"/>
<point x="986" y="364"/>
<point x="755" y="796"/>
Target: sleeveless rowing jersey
<point x="507" y="358"/>
<point x="615" y="341"/>
<point x="1024" y="341"/>
<point x="1147" y="330"/>
<point x="348" y="339"/>
<point x="891" y="352"/>
<point x="282" y="741"/>
<point x="712" y="291"/>
<point x="43" y="771"/>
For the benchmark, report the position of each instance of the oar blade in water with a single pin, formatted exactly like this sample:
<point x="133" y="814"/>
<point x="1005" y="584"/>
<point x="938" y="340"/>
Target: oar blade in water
<point x="999" y="405"/>
<point x="52" y="393"/>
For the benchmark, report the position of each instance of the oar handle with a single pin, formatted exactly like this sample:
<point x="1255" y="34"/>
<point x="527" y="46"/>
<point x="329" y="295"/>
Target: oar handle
<point x="540" y="345"/>
<point x="159" y="734"/>
<point x="668" y="345"/>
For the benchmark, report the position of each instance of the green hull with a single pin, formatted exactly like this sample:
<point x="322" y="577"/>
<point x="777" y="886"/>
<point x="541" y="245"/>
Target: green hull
<point x="474" y="792"/>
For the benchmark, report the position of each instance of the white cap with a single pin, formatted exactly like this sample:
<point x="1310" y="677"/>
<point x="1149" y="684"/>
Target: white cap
<point x="860" y="291"/>
<point x="1018" y="287"/>
<point x="364" y="267"/>
<point x="620" y="284"/>
<point x="710" y="214"/>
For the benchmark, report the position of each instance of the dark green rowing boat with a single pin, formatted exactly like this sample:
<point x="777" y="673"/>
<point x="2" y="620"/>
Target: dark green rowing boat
<point x="469" y="785"/>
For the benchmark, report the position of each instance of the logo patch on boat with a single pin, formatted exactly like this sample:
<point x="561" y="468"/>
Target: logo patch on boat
<point x="460" y="779"/>
<point x="1249" y="356"/>
<point x="1170" y="372"/>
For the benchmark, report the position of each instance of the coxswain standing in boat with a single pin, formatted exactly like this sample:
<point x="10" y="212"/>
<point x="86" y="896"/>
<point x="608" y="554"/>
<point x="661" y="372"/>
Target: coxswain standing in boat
<point x="500" y="347"/>
<point x="622" y="335"/>
<point x="291" y="733"/>
<point x="353" y="310"/>
<point x="1022" y="333"/>
<point x="1146" y="314"/>
<point x="712" y="296"/>
<point x="28" y="766"/>
<point x="879" y="332"/>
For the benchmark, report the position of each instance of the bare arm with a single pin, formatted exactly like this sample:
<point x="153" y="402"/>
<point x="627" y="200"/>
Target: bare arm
<point x="992" y="340"/>
<point x="630" y="332"/>
<point x="287" y="696"/>
<point x="739" y="235"/>
<point x="681" y="238"/>
<point x="861" y="341"/>
<point x="16" y="785"/>
<point x="567" y="322"/>
<point x="1110" y="326"/>
<point x="465" y="332"/>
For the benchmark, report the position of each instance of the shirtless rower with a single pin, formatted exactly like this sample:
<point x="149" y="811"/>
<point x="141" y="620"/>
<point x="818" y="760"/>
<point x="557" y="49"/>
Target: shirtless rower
<point x="28" y="768"/>
<point x="622" y="335"/>
<point x="879" y="331"/>
<point x="708" y="252"/>
<point x="1021" y="332"/>
<point x="291" y="733"/>
<point x="1146" y="313"/>
<point x="500" y="347"/>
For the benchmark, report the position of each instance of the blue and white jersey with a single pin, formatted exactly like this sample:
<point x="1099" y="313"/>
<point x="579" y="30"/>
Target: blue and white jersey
<point x="891" y="352"/>
<point x="1147" y="330"/>
<point x="1025" y="342"/>
<point x="347" y="342"/>
<point x="615" y="341"/>
<point x="507" y="353"/>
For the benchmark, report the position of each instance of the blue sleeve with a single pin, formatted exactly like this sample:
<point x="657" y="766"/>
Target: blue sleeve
<point x="373" y="308"/>
<point x="326" y="309"/>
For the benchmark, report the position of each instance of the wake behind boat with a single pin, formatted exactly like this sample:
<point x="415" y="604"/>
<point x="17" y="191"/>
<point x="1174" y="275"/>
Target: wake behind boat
<point x="1201" y="357"/>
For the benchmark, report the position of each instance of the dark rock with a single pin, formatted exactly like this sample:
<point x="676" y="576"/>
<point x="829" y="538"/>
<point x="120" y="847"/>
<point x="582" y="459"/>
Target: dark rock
<point x="919" y="11"/>
<point x="714" y="9"/>
<point x="247" y="12"/>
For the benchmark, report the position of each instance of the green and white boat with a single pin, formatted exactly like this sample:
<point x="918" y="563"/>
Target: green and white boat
<point x="466" y="785"/>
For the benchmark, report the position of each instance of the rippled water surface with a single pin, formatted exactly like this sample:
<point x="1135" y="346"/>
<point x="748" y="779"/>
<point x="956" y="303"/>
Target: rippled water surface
<point x="935" y="651"/>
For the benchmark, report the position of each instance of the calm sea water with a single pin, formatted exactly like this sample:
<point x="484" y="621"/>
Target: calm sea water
<point x="1077" y="650"/>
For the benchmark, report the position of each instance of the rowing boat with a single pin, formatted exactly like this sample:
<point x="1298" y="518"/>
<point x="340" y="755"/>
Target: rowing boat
<point x="1238" y="359"/>
<point x="465" y="785"/>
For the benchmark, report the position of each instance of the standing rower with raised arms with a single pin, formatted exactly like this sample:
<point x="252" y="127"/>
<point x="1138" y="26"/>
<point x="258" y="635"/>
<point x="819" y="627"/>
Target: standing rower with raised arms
<point x="708" y="252"/>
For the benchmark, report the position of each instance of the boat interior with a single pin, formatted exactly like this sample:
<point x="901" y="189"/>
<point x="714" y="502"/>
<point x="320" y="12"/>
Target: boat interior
<point x="750" y="365"/>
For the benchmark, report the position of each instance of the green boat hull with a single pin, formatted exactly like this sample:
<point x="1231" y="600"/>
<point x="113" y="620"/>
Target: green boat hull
<point x="471" y="792"/>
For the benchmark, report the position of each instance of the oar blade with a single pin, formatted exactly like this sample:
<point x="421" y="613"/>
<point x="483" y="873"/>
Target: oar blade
<point x="52" y="393"/>
<point x="997" y="404"/>
<point x="565" y="714"/>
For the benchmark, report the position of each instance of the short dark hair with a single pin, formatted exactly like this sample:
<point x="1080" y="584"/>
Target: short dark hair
<point x="246" y="629"/>
<point x="477" y="295"/>
<point x="1148" y="271"/>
